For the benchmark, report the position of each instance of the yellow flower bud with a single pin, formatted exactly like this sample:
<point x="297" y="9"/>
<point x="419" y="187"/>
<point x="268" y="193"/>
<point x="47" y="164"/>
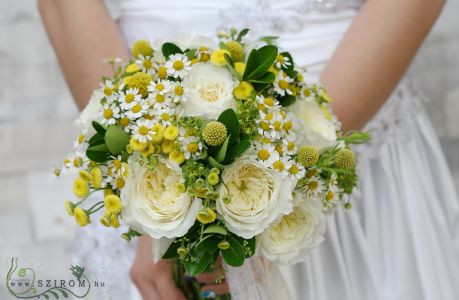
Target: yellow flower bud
<point x="158" y="136"/>
<point x="96" y="177"/>
<point x="206" y="215"/>
<point x="112" y="204"/>
<point x="213" y="178"/>
<point x="171" y="132"/>
<point x="308" y="156"/>
<point x="105" y="221"/>
<point x="239" y="67"/>
<point x="218" y="57"/>
<point x="167" y="146"/>
<point x="136" y="145"/>
<point x="177" y="156"/>
<point x="132" y="68"/>
<point x="80" y="187"/>
<point x="114" y="222"/>
<point x="243" y="90"/>
<point x="69" y="207"/>
<point x="81" y="217"/>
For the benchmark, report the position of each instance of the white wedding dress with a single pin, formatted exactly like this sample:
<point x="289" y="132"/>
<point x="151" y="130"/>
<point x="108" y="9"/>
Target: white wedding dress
<point x="400" y="240"/>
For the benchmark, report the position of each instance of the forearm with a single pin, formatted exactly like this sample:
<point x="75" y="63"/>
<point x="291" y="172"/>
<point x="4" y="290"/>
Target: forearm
<point x="82" y="33"/>
<point x="374" y="54"/>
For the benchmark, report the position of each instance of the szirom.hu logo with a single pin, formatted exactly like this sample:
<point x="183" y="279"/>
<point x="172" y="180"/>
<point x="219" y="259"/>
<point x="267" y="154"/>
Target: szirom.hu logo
<point x="23" y="283"/>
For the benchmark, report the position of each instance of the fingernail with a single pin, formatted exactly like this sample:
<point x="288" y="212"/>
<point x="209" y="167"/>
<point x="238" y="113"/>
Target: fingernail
<point x="189" y="278"/>
<point x="207" y="294"/>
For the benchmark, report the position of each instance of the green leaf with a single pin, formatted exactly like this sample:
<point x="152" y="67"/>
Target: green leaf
<point x="98" y="153"/>
<point x="290" y="60"/>
<point x="234" y="255"/>
<point x="241" y="34"/>
<point x="222" y="152"/>
<point x="216" y="229"/>
<point x="229" y="60"/>
<point x="215" y="163"/>
<point x="268" y="77"/>
<point x="237" y="149"/>
<point x="99" y="128"/>
<point x="197" y="266"/>
<point x="230" y="120"/>
<point x="191" y="53"/>
<point x="171" y="252"/>
<point x="97" y="139"/>
<point x="269" y="39"/>
<point x="260" y="61"/>
<point x="287" y="100"/>
<point x="170" y="49"/>
<point x="208" y="244"/>
<point x="250" y="243"/>
<point x="116" y="139"/>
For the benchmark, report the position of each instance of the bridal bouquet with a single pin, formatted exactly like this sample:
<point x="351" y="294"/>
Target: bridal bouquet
<point x="213" y="148"/>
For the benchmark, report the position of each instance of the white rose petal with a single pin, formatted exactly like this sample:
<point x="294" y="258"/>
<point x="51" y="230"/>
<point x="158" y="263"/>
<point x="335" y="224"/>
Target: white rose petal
<point x="316" y="130"/>
<point x="259" y="196"/>
<point x="152" y="202"/>
<point x="160" y="247"/>
<point x="210" y="91"/>
<point x="296" y="234"/>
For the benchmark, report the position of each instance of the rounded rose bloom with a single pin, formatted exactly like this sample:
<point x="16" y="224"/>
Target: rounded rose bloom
<point x="210" y="91"/>
<point x="153" y="203"/>
<point x="258" y="196"/>
<point x="315" y="129"/>
<point x="289" y="240"/>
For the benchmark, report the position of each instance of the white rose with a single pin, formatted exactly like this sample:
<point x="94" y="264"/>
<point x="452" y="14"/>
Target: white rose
<point x="90" y="113"/>
<point x="296" y="234"/>
<point x="258" y="195"/>
<point x="153" y="203"/>
<point x="210" y="91"/>
<point x="315" y="130"/>
<point x="159" y="247"/>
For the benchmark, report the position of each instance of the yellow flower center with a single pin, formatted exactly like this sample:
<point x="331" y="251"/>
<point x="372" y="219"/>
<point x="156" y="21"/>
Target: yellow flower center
<point x="288" y="125"/>
<point x="160" y="86"/>
<point x="159" y="98"/>
<point x="162" y="72"/>
<point x="129" y="98"/>
<point x="143" y="130"/>
<point x="192" y="147"/>
<point x="283" y="85"/>
<point x="124" y="122"/>
<point x="263" y="154"/>
<point x="178" y="90"/>
<point x="147" y="64"/>
<point x="165" y="116"/>
<point x="329" y="196"/>
<point x="294" y="170"/>
<point x="279" y="165"/>
<point x="108" y="113"/>
<point x="277" y="125"/>
<point x="178" y="65"/>
<point x="290" y="146"/>
<point x="107" y="91"/>
<point x="117" y="163"/>
<point x="81" y="139"/>
<point x="280" y="58"/>
<point x="264" y="126"/>
<point x="269" y="117"/>
<point x="279" y="149"/>
<point x="269" y="101"/>
<point x="313" y="185"/>
<point x="137" y="108"/>
<point x="120" y="182"/>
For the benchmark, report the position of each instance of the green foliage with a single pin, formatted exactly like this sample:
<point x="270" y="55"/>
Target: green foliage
<point x="216" y="229"/>
<point x="221" y="154"/>
<point x="355" y="137"/>
<point x="234" y="255"/>
<point x="170" y="49"/>
<point x="241" y="34"/>
<point x="259" y="61"/>
<point x="116" y="139"/>
<point x="98" y="153"/>
<point x="231" y="122"/>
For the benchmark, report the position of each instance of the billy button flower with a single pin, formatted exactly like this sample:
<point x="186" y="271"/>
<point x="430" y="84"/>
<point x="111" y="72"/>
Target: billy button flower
<point x="81" y="216"/>
<point x="141" y="47"/>
<point x="213" y="178"/>
<point x="85" y="175"/>
<point x="243" y="91"/>
<point x="136" y="145"/>
<point x="112" y="204"/>
<point x="206" y="215"/>
<point x="167" y="146"/>
<point x="80" y="187"/>
<point x="218" y="57"/>
<point x="308" y="156"/>
<point x="177" y="156"/>
<point x="236" y="50"/>
<point x="69" y="207"/>
<point x="96" y="180"/>
<point x="171" y="132"/>
<point x="215" y="133"/>
<point x="158" y="135"/>
<point x="345" y="159"/>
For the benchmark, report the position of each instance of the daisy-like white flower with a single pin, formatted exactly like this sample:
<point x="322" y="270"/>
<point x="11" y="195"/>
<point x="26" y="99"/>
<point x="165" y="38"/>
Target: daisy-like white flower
<point x="203" y="54"/>
<point x="289" y="144"/>
<point x="116" y="166"/>
<point x="192" y="147"/>
<point x="146" y="64"/>
<point x="110" y="90"/>
<point x="315" y="186"/>
<point x="282" y="61"/>
<point x="297" y="170"/>
<point x="282" y="83"/>
<point x="283" y="164"/>
<point x="266" y="153"/>
<point x="125" y="122"/>
<point x="178" y="92"/>
<point x="117" y="182"/>
<point x="178" y="65"/>
<point x="266" y="103"/>
<point x="331" y="196"/>
<point x="110" y="113"/>
<point x="130" y="98"/>
<point x="76" y="161"/>
<point x="159" y="91"/>
<point x="142" y="130"/>
<point x="138" y="110"/>
<point x="163" y="114"/>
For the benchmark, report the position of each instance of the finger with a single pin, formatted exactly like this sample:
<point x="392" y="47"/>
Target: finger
<point x="165" y="283"/>
<point x="217" y="289"/>
<point x="148" y="290"/>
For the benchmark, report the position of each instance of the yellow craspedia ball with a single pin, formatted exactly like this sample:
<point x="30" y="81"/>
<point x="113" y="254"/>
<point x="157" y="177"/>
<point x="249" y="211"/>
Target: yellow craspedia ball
<point x="69" y="207"/>
<point x="81" y="217"/>
<point x="140" y="80"/>
<point x="206" y="215"/>
<point x="142" y="47"/>
<point x="215" y="133"/>
<point x="80" y="187"/>
<point x="112" y="204"/>
<point x="236" y="50"/>
<point x="239" y="67"/>
<point x="308" y="156"/>
<point x="243" y="91"/>
<point x="218" y="57"/>
<point x="345" y="159"/>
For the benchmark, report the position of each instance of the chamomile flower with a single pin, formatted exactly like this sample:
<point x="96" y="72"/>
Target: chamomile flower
<point x="289" y="144"/>
<point x="109" y="90"/>
<point x="117" y="182"/>
<point x="116" y="166"/>
<point x="125" y="122"/>
<point x="331" y="196"/>
<point x="76" y="161"/>
<point x="129" y="98"/>
<point x="282" y="61"/>
<point x="266" y="103"/>
<point x="146" y="64"/>
<point x="266" y="154"/>
<point x="178" y="65"/>
<point x="142" y="130"/>
<point x="164" y="114"/>
<point x="192" y="147"/>
<point x="159" y="87"/>
<point x="282" y="165"/>
<point x="282" y="84"/>
<point x="315" y="186"/>
<point x="110" y="113"/>
<point x="178" y="92"/>
<point x="296" y="170"/>
<point x="138" y="110"/>
<point x="203" y="54"/>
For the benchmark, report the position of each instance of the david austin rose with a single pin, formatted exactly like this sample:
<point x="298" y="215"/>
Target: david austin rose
<point x="296" y="234"/>
<point x="153" y="203"/>
<point x="210" y="91"/>
<point x="258" y="196"/>
<point x="316" y="130"/>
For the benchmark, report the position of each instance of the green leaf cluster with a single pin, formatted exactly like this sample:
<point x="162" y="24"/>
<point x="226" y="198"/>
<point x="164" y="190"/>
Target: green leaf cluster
<point x="106" y="142"/>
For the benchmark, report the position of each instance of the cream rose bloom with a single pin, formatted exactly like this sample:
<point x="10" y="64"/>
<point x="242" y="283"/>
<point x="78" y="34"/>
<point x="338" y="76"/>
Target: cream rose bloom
<point x="296" y="234"/>
<point x="152" y="202"/>
<point x="315" y="130"/>
<point x="210" y="91"/>
<point x="90" y="113"/>
<point x="258" y="195"/>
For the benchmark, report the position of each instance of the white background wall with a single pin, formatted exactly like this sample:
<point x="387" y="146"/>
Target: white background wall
<point x="36" y="113"/>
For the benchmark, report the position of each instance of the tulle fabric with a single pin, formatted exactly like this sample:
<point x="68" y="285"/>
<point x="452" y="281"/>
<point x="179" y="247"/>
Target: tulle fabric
<point x="400" y="240"/>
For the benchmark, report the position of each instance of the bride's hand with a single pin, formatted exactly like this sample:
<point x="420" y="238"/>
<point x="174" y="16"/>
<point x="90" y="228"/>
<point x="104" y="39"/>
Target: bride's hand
<point x="154" y="281"/>
<point x="210" y="287"/>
